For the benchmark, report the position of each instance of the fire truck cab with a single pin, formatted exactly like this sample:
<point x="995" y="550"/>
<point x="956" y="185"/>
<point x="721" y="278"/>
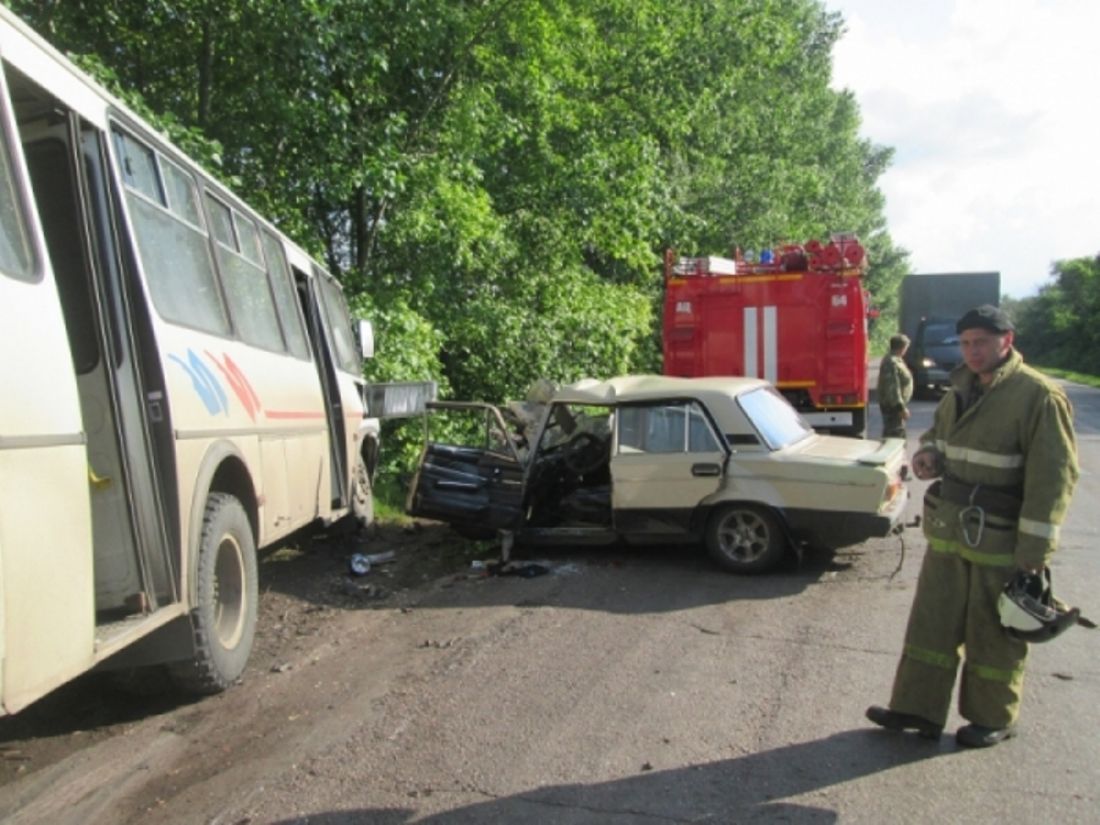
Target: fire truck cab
<point x="797" y="317"/>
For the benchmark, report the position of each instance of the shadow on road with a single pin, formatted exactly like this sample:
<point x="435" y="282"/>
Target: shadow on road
<point x="96" y="705"/>
<point x="751" y="788"/>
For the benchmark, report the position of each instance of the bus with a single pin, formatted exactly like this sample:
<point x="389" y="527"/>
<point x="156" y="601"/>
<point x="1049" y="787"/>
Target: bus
<point x="182" y="386"/>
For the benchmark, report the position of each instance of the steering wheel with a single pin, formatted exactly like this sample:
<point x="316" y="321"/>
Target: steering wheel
<point x="583" y="453"/>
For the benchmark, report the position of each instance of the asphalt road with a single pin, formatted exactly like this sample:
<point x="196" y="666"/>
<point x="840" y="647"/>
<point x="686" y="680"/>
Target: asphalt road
<point x="624" y="687"/>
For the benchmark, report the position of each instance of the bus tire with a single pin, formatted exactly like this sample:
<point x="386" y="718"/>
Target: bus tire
<point x="362" y="494"/>
<point x="223" y="620"/>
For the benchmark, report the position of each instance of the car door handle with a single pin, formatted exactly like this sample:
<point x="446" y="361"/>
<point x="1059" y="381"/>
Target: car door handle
<point x="464" y="486"/>
<point x="705" y="470"/>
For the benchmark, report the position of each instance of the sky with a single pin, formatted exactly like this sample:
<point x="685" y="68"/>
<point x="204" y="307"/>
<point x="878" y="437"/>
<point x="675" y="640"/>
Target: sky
<point x="993" y="111"/>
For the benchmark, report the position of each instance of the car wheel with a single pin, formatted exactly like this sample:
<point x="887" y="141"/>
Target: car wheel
<point x="745" y="538"/>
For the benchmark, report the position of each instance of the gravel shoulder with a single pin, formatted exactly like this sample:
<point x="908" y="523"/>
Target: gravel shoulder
<point x="311" y="607"/>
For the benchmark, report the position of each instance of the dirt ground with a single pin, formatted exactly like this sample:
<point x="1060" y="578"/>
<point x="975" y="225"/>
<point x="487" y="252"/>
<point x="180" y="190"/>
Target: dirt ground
<point x="304" y="586"/>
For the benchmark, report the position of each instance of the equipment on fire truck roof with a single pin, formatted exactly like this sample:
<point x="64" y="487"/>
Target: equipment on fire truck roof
<point x="841" y="252"/>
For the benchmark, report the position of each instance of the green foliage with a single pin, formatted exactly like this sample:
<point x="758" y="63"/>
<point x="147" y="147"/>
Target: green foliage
<point x="495" y="182"/>
<point x="1057" y="328"/>
<point x="407" y="348"/>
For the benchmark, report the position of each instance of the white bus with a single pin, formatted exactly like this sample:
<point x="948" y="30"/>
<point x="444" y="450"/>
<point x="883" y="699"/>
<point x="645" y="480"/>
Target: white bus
<point x="181" y="386"/>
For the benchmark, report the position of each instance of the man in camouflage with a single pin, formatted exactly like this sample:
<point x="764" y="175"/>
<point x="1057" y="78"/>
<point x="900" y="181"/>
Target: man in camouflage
<point x="895" y="388"/>
<point x="1003" y="450"/>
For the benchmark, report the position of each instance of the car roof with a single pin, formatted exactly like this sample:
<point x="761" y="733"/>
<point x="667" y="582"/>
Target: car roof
<point x="627" y="388"/>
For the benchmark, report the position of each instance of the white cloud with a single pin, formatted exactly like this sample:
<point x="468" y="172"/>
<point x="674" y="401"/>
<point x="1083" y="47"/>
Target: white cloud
<point x="990" y="109"/>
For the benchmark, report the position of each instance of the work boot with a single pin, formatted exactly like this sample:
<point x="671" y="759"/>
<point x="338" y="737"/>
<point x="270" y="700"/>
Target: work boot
<point x="979" y="736"/>
<point x="895" y="720"/>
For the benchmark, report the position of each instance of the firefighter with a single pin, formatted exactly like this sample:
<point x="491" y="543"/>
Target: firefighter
<point x="1003" y="452"/>
<point x="895" y="388"/>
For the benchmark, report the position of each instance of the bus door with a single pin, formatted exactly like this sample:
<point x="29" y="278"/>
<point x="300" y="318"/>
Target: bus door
<point x="122" y="399"/>
<point x="46" y="631"/>
<point x="325" y="359"/>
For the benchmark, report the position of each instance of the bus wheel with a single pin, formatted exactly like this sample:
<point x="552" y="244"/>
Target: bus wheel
<point x="744" y="538"/>
<point x="223" y="620"/>
<point x="362" y="494"/>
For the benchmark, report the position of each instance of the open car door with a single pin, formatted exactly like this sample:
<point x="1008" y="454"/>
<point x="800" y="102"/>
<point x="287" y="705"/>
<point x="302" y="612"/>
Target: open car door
<point x="470" y="473"/>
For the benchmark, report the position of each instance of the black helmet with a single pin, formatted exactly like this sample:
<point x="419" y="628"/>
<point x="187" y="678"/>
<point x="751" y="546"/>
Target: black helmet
<point x="1030" y="612"/>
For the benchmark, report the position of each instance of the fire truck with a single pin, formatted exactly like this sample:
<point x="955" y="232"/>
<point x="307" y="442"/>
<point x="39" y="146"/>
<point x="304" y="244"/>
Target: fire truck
<point x="797" y="317"/>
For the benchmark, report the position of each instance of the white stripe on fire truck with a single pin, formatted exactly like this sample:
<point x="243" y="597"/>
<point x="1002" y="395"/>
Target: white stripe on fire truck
<point x="748" y="314"/>
<point x="771" y="344"/>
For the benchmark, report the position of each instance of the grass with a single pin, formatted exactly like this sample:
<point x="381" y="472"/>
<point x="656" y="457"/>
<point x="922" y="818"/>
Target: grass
<point x="389" y="501"/>
<point x="1070" y="375"/>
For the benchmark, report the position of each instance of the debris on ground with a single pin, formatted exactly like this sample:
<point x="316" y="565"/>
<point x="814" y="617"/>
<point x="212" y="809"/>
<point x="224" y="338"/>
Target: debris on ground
<point x="359" y="564"/>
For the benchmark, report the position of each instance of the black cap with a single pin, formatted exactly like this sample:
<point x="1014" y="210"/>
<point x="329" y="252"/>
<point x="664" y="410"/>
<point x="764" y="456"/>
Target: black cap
<point x="987" y="317"/>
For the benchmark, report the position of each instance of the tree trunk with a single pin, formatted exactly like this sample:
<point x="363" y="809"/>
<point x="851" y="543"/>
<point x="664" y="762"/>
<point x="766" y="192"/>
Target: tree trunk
<point x="206" y="74"/>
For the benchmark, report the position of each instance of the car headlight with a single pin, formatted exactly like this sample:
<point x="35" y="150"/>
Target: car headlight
<point x="927" y="362"/>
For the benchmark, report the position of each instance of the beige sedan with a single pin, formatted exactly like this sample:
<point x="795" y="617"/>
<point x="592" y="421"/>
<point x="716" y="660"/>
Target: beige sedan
<point x="725" y="461"/>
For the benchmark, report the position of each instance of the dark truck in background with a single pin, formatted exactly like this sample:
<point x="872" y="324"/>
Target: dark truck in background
<point x="931" y="303"/>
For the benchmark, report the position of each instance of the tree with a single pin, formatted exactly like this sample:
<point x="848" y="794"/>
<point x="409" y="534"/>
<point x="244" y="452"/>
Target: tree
<point x="506" y="174"/>
<point x="1057" y="328"/>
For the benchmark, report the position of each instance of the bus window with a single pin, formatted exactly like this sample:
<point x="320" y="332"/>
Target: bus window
<point x="172" y="243"/>
<point x="249" y="240"/>
<point x="244" y="278"/>
<point x="339" y="322"/>
<point x="182" y="195"/>
<point x="285" y="301"/>
<point x="139" y="168"/>
<point x="15" y="248"/>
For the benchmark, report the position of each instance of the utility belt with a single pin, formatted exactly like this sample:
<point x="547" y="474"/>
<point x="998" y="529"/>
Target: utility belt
<point x="978" y="501"/>
<point x="1003" y="502"/>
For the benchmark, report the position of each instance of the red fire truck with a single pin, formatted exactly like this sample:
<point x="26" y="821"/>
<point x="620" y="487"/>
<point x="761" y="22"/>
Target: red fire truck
<point x="796" y="317"/>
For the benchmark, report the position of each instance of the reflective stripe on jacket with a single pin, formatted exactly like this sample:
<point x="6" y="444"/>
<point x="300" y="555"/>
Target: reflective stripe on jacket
<point x="1019" y="436"/>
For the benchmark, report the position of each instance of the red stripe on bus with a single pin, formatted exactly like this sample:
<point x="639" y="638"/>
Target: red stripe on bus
<point x="285" y="414"/>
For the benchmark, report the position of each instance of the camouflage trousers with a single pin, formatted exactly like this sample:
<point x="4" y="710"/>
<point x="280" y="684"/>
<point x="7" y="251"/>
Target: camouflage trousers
<point x="893" y="424"/>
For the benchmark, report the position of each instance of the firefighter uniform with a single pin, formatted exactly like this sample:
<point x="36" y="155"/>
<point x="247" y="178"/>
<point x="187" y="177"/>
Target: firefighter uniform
<point x="1010" y="465"/>
<point x="895" y="388"/>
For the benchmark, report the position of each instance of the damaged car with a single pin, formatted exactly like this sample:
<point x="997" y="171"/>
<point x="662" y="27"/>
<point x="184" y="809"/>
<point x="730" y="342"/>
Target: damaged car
<point x="723" y="461"/>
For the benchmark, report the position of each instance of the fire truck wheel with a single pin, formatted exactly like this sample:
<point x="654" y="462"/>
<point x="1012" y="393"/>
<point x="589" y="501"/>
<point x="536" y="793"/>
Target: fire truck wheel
<point x="745" y="538"/>
<point x="223" y="620"/>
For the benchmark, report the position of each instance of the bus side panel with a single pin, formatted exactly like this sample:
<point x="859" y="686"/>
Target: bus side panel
<point x="307" y="476"/>
<point x="45" y="537"/>
<point x="268" y="405"/>
<point x="292" y="413"/>
<point x="45" y="514"/>
<point x="276" y="505"/>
